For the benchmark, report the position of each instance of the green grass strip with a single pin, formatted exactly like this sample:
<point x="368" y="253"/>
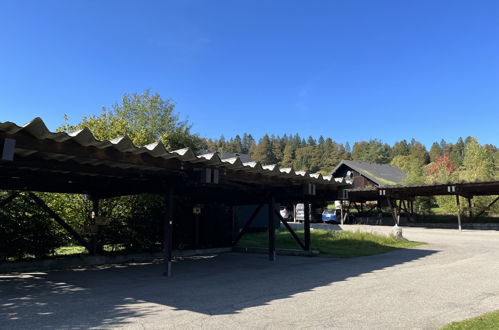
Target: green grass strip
<point x="339" y="244"/>
<point x="482" y="322"/>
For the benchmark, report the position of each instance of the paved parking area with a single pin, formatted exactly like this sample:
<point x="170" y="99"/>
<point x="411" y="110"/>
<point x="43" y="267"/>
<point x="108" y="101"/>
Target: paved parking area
<point x="455" y="276"/>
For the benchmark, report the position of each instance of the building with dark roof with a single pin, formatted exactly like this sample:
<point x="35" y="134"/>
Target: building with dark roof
<point x="364" y="174"/>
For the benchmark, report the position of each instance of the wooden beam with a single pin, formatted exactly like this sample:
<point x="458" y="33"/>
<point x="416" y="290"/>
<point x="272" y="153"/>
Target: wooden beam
<point x="40" y="180"/>
<point x="37" y="163"/>
<point x="247" y="224"/>
<point x="470" y="209"/>
<point x="346" y="213"/>
<point x="271" y="227"/>
<point x="488" y="207"/>
<point x="59" y="220"/>
<point x="96" y="247"/>
<point x="341" y="211"/>
<point x="168" y="232"/>
<point x="291" y="231"/>
<point x="458" y="212"/>
<point x="393" y="210"/>
<point x="306" y="224"/>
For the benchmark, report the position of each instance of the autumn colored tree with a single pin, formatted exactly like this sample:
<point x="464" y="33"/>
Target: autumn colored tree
<point x="441" y="170"/>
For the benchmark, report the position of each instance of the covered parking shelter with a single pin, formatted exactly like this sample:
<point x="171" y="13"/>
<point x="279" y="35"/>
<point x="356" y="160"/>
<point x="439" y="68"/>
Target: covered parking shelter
<point x="400" y="198"/>
<point x="36" y="159"/>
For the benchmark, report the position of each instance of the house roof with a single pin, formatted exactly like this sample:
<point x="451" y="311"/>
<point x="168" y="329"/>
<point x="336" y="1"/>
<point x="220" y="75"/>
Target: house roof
<point x="381" y="174"/>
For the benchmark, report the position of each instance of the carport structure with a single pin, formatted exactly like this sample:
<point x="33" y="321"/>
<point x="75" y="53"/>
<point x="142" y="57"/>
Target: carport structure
<point x="401" y="198"/>
<point x="36" y="159"/>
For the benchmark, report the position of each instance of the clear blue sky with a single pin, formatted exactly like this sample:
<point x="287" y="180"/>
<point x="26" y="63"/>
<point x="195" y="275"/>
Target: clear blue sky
<point x="350" y="70"/>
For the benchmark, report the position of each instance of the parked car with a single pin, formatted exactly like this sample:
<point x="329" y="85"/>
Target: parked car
<point x="315" y="213"/>
<point x="331" y="216"/>
<point x="286" y="213"/>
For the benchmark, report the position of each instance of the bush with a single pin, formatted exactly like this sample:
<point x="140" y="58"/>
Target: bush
<point x="25" y="230"/>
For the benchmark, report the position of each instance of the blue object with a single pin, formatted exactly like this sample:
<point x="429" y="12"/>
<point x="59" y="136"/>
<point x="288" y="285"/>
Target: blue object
<point x="328" y="215"/>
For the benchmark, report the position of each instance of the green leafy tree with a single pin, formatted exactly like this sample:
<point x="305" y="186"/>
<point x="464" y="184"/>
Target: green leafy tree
<point x="412" y="166"/>
<point x="401" y="148"/>
<point x="457" y="152"/>
<point x="418" y="150"/>
<point x="373" y="151"/>
<point x="414" y="169"/>
<point x="478" y="164"/>
<point x="289" y="156"/>
<point x="435" y="152"/>
<point x="145" y="118"/>
<point x="263" y="151"/>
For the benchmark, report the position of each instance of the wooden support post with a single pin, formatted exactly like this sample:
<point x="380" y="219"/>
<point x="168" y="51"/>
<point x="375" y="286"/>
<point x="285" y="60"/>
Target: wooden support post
<point x="168" y="232"/>
<point x="398" y="209"/>
<point x="404" y="208"/>
<point x="271" y="226"/>
<point x="357" y="208"/>
<point x="306" y="224"/>
<point x="59" y="220"/>
<point x="288" y="227"/>
<point x="393" y="210"/>
<point x="341" y="211"/>
<point x="9" y="199"/>
<point x="470" y="209"/>
<point x="95" y="213"/>
<point x="346" y="213"/>
<point x="379" y="207"/>
<point x="247" y="224"/>
<point x="379" y="221"/>
<point x="458" y="212"/>
<point x="196" y="230"/>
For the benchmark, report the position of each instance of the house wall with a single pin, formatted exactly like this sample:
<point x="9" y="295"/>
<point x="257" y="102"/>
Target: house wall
<point x="359" y="181"/>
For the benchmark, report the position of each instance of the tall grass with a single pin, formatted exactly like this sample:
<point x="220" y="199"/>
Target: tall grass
<point x="340" y="244"/>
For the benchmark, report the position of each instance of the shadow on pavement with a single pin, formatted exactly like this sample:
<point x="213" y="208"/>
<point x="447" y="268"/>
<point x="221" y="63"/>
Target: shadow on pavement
<point x="223" y="284"/>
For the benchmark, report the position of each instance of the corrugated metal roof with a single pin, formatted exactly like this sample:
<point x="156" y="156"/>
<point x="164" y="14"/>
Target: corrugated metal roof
<point x="245" y="158"/>
<point x="37" y="129"/>
<point x="381" y="174"/>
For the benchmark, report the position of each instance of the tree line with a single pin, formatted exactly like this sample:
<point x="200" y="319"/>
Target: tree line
<point x="323" y="154"/>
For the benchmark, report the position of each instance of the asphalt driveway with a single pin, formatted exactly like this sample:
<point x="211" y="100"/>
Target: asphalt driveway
<point x="455" y="276"/>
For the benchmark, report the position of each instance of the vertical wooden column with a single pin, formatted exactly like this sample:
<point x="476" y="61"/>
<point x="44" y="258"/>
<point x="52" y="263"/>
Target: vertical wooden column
<point x="271" y="226"/>
<point x="379" y="214"/>
<point x="196" y="231"/>
<point x="393" y="209"/>
<point x="458" y="212"/>
<point x="470" y="209"/>
<point x="167" y="232"/>
<point x="95" y="213"/>
<point x="306" y="224"/>
<point x="341" y="211"/>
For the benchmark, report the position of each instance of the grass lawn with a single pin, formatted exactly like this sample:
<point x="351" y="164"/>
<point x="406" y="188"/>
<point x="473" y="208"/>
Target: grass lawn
<point x="485" y="321"/>
<point x="340" y="244"/>
<point x="78" y="249"/>
<point x="69" y="250"/>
